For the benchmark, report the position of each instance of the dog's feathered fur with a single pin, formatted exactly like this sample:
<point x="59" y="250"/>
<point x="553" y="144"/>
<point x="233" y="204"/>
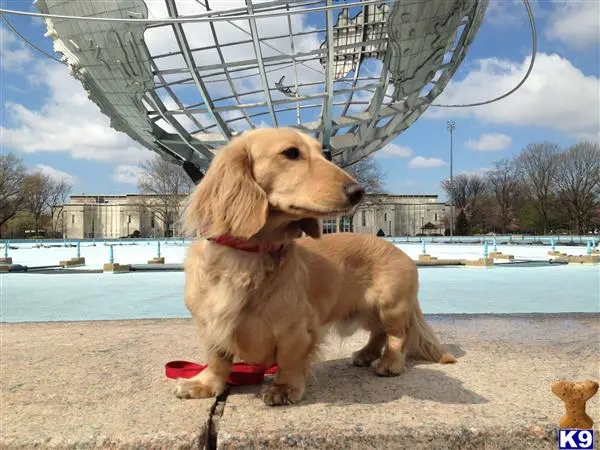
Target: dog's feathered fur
<point x="276" y="305"/>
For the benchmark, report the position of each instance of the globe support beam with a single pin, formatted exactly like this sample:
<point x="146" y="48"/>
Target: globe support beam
<point x="328" y="101"/>
<point x="381" y="64"/>
<point x="191" y="65"/>
<point x="261" y="66"/>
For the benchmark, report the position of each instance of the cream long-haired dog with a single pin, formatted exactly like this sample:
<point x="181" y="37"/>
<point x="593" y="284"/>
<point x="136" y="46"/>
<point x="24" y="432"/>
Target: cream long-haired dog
<point x="260" y="292"/>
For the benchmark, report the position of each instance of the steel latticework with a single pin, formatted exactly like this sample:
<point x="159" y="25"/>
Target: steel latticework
<point x="354" y="74"/>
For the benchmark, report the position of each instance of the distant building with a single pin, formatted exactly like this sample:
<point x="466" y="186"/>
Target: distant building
<point x="400" y="215"/>
<point x="395" y="215"/>
<point x="116" y="216"/>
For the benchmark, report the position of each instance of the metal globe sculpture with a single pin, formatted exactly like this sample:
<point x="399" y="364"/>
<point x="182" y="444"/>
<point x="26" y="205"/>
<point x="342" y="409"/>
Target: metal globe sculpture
<point x="184" y="77"/>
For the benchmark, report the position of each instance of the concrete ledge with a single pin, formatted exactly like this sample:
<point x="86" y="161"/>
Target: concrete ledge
<point x="584" y="259"/>
<point x="556" y="253"/>
<point x="481" y="262"/>
<point x="115" y="268"/>
<point x="73" y="262"/>
<point x="97" y="385"/>
<point x="496" y="397"/>
<point x="427" y="260"/>
<point x="157" y="260"/>
<point x="500" y="255"/>
<point x="5" y="261"/>
<point x="440" y="262"/>
<point x="102" y="385"/>
<point x="579" y="259"/>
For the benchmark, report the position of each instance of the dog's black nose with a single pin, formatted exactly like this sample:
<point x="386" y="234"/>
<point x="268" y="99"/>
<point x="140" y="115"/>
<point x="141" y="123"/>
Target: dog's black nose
<point x="355" y="192"/>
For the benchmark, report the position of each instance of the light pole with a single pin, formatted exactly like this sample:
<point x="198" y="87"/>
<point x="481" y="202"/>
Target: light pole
<point x="451" y="126"/>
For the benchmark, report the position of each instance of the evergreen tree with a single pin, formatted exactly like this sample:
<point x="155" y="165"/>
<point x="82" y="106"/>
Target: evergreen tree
<point x="462" y="224"/>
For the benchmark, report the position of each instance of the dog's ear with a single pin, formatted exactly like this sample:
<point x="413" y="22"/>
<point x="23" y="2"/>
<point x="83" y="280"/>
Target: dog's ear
<point x="313" y="227"/>
<point x="227" y="201"/>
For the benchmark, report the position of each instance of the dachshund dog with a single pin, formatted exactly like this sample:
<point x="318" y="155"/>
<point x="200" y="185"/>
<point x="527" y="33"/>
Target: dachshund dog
<point x="260" y="291"/>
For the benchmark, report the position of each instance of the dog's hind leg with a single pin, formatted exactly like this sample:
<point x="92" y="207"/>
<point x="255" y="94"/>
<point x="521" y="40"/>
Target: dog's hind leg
<point x="395" y="323"/>
<point x="372" y="351"/>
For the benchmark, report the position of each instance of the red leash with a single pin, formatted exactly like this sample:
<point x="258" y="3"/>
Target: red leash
<point x="241" y="374"/>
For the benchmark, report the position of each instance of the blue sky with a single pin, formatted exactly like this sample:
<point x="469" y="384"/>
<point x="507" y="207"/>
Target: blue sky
<point x="48" y="121"/>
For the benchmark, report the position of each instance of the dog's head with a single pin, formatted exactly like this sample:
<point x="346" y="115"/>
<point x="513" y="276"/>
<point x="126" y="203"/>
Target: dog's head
<point x="269" y="179"/>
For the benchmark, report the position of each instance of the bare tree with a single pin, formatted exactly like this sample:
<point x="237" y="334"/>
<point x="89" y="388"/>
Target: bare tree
<point x="538" y="163"/>
<point x="578" y="183"/>
<point x="466" y="192"/>
<point x="369" y="174"/>
<point x="506" y="186"/>
<point x="41" y="193"/>
<point x="57" y="205"/>
<point x="12" y="174"/>
<point x="165" y="184"/>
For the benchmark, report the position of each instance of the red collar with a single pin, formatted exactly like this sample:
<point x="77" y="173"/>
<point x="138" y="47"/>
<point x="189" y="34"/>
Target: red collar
<point x="239" y="244"/>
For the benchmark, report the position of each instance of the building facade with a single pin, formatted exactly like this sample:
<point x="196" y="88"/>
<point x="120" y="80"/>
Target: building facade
<point x="138" y="215"/>
<point x="400" y="215"/>
<point x="117" y="216"/>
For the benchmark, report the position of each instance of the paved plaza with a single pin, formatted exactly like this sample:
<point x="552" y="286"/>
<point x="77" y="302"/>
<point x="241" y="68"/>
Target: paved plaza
<point x="102" y="385"/>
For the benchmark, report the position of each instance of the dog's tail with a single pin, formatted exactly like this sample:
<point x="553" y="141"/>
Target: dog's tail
<point x="421" y="341"/>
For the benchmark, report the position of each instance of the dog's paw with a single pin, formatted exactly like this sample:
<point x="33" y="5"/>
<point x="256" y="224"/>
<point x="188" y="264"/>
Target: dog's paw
<point x="280" y="394"/>
<point x="362" y="360"/>
<point x="387" y="368"/>
<point x="193" y="389"/>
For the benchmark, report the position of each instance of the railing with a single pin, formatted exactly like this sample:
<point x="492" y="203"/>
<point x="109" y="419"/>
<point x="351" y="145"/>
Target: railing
<point x="500" y="239"/>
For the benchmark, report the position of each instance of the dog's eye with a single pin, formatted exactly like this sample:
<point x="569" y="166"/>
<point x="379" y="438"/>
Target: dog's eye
<point x="291" y="153"/>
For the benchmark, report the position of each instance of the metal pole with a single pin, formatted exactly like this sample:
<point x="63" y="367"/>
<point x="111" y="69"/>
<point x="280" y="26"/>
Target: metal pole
<point x="451" y="126"/>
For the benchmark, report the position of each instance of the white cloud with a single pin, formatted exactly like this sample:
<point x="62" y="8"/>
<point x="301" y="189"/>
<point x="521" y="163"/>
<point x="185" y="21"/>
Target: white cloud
<point x="127" y="174"/>
<point x="512" y="13"/>
<point x="67" y="122"/>
<point x="575" y="23"/>
<point x="504" y="12"/>
<point x="56" y="174"/>
<point x="419" y="162"/>
<point x="394" y="151"/>
<point x="13" y="53"/>
<point x="556" y="96"/>
<point x="490" y="142"/>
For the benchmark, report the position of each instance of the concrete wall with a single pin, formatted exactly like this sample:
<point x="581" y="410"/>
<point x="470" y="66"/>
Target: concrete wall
<point x="114" y="216"/>
<point x="110" y="216"/>
<point x="399" y="215"/>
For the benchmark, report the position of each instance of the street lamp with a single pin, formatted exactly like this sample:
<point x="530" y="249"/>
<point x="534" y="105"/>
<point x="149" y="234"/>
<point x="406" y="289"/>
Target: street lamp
<point x="451" y="126"/>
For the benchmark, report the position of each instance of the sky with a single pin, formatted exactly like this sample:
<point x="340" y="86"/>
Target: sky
<point x="48" y="121"/>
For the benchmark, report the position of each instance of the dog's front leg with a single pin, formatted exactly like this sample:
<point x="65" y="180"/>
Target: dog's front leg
<point x="294" y="352"/>
<point x="211" y="381"/>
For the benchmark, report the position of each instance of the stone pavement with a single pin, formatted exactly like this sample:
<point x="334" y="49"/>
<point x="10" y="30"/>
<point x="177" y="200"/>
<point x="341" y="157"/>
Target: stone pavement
<point x="102" y="385"/>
